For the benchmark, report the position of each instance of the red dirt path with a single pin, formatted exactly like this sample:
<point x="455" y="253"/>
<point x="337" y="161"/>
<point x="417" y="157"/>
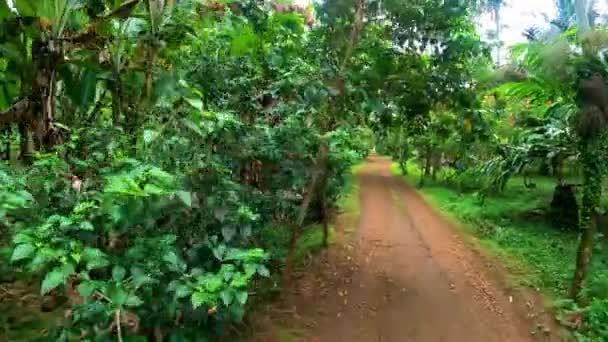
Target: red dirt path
<point x="408" y="276"/>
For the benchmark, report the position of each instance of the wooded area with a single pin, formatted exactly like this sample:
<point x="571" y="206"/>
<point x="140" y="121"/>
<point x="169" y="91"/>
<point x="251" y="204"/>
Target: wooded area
<point x="149" y="146"/>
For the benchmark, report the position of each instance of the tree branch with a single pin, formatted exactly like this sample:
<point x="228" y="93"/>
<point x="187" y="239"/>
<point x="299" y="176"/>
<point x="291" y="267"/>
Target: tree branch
<point x="18" y="112"/>
<point x="354" y="34"/>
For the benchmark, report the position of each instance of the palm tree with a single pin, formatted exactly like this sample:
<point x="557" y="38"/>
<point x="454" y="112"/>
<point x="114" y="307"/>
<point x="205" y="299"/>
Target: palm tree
<point x="494" y="6"/>
<point x="582" y="17"/>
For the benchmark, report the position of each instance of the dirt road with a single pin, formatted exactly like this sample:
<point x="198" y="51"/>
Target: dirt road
<point x="408" y="277"/>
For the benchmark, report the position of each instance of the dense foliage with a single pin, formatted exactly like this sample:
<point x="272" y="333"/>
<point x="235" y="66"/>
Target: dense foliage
<point x="150" y="146"/>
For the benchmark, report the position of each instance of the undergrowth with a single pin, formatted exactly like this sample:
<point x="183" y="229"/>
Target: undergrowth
<point x="276" y="238"/>
<point x="310" y="243"/>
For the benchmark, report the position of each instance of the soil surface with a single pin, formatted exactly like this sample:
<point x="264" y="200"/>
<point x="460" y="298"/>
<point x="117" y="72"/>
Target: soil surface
<point x="407" y="275"/>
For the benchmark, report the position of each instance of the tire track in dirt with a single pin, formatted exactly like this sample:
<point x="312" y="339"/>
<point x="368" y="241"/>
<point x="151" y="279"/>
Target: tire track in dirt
<point x="409" y="277"/>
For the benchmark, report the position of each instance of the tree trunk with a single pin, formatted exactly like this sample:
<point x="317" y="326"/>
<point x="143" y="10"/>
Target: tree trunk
<point x="592" y="192"/>
<point x="421" y="180"/>
<point x="557" y="167"/>
<point x="150" y="60"/>
<point x="497" y="21"/>
<point x="324" y="208"/>
<point x="325" y="227"/>
<point x="291" y="249"/>
<point x="44" y="56"/>
<point x="582" y="17"/>
<point x="436" y="164"/>
<point x="354" y="33"/>
<point x="543" y="168"/>
<point x="402" y="152"/>
<point x="591" y="160"/>
<point x="116" y="94"/>
<point x="428" y="161"/>
<point x="6" y="134"/>
<point x="403" y="167"/>
<point x="319" y="169"/>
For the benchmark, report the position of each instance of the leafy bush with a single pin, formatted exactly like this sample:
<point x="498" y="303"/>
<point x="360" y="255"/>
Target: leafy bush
<point x="112" y="246"/>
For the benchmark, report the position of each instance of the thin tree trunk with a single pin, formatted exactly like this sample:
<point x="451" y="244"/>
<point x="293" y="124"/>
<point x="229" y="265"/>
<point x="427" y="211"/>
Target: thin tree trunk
<point x="324" y="208"/>
<point x="150" y="59"/>
<point x="317" y="173"/>
<point x="26" y="145"/>
<point x="582" y="17"/>
<point x="592" y="193"/>
<point x="557" y="166"/>
<point x="593" y="173"/>
<point x="436" y="161"/>
<point x="354" y="33"/>
<point x="7" y="143"/>
<point x="428" y="161"/>
<point x="116" y="95"/>
<point x="498" y="33"/>
<point x="293" y="240"/>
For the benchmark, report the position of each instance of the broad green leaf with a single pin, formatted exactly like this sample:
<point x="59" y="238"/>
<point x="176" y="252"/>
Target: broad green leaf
<point x="5" y="11"/>
<point x="117" y="295"/>
<point x="242" y="296"/>
<point x="86" y="288"/>
<point x="118" y="273"/>
<point x="13" y="52"/>
<point x="52" y="280"/>
<point x="65" y="222"/>
<point x="86" y="225"/>
<point x="185" y="197"/>
<point x="263" y="271"/>
<point x="196" y="103"/>
<point x="201" y="298"/>
<point x="160" y="177"/>
<point x="27" y="8"/>
<point x="152" y="189"/>
<point x="139" y="277"/>
<point x="219" y="252"/>
<point x="240" y="280"/>
<point x="94" y="258"/>
<point x="43" y="256"/>
<point x="250" y="269"/>
<point x="22" y="238"/>
<point x="182" y="291"/>
<point x="23" y="251"/>
<point x="88" y="87"/>
<point x="227" y="297"/>
<point x="174" y="261"/>
<point x="213" y="283"/>
<point x="193" y="126"/>
<point x="133" y="300"/>
<point x="244" y="40"/>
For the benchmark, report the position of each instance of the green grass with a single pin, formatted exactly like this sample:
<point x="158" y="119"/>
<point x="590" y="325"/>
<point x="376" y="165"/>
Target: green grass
<point x="348" y="202"/>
